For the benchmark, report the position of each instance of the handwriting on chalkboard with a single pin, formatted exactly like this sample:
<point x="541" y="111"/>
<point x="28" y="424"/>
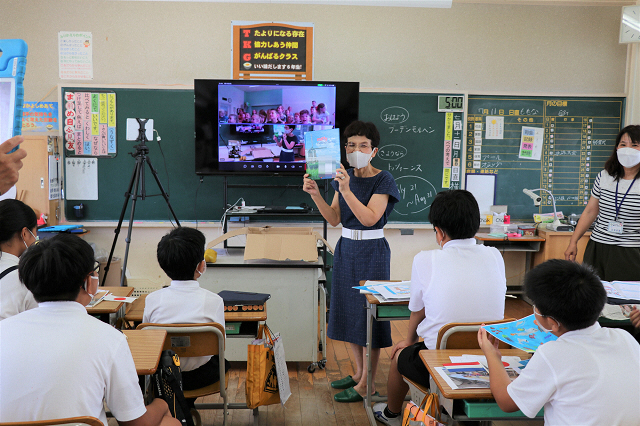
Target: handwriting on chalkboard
<point x="416" y="194"/>
<point x="394" y="115"/>
<point x="392" y="152"/>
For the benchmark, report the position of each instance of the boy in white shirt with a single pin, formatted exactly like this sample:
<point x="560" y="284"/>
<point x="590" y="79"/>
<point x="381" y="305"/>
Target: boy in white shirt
<point x="590" y="375"/>
<point x="462" y="282"/>
<point x="181" y="255"/>
<point x="58" y="361"/>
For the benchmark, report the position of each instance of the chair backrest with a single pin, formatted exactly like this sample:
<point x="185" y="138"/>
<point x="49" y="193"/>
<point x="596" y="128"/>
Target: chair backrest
<point x="464" y="335"/>
<point x="75" y="421"/>
<point x="189" y="340"/>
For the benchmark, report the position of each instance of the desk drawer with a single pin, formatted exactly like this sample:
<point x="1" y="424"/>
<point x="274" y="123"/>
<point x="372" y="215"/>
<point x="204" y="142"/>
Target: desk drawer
<point x="490" y="409"/>
<point x="393" y="311"/>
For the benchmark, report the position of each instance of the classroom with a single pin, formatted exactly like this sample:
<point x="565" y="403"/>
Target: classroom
<point x="512" y="48"/>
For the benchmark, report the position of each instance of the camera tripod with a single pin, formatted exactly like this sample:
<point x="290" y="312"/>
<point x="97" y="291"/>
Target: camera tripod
<point x="137" y="184"/>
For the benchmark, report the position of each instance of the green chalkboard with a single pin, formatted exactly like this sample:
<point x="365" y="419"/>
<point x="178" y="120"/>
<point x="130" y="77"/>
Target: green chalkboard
<point x="173" y="114"/>
<point x="576" y="136"/>
<point x="421" y="147"/>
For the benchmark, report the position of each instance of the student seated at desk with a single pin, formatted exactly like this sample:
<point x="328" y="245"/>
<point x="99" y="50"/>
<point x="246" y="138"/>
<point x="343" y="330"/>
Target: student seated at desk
<point x="590" y="375"/>
<point x="462" y="282"/>
<point x="181" y="256"/>
<point x="18" y="226"/>
<point x="58" y="361"/>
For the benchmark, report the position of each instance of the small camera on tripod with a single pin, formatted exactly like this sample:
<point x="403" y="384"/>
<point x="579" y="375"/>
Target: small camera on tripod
<point x="139" y="129"/>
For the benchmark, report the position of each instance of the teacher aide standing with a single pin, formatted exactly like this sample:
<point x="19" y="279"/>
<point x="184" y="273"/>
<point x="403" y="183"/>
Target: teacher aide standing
<point x="614" y="247"/>
<point x="364" y="198"/>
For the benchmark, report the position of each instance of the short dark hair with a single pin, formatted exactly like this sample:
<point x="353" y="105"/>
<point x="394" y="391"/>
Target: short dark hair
<point x="360" y="128"/>
<point x="180" y="251"/>
<point x="56" y="268"/>
<point x="455" y="212"/>
<point x="568" y="291"/>
<point x="304" y="111"/>
<point x="612" y="165"/>
<point x="320" y="105"/>
<point x="14" y="217"/>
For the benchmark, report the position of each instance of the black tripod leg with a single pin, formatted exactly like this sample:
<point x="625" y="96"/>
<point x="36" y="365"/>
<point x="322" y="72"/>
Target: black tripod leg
<point x="164" y="193"/>
<point x="127" y="194"/>
<point x="134" y="198"/>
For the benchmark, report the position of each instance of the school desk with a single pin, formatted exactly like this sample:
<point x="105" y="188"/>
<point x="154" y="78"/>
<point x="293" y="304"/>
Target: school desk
<point x="249" y="319"/>
<point x="555" y="244"/>
<point x="146" y="347"/>
<point x="294" y="288"/>
<point x="392" y="311"/>
<point x="526" y="244"/>
<point x="467" y="404"/>
<point x="111" y="311"/>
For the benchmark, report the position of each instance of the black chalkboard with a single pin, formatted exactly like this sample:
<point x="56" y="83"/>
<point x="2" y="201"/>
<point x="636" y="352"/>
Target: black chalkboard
<point x="578" y="135"/>
<point x="173" y="114"/>
<point x="413" y="143"/>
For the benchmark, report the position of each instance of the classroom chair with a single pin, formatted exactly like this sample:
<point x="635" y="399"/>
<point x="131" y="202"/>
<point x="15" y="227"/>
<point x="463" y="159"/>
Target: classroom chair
<point x="70" y="421"/>
<point x="464" y="335"/>
<point x="204" y="339"/>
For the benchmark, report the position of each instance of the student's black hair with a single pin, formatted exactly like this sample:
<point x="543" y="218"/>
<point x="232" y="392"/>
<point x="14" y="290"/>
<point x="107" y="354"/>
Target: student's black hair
<point x="360" y="128"/>
<point x="612" y="165"/>
<point x="569" y="292"/>
<point x="56" y="268"/>
<point x="14" y="217"/>
<point x="180" y="251"/>
<point x="455" y="212"/>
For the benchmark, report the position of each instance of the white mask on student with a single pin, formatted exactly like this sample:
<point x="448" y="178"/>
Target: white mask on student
<point x="628" y="157"/>
<point x="359" y="159"/>
<point x="203" y="271"/>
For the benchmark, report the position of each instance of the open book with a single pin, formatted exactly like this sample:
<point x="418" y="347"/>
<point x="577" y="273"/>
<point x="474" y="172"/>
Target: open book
<point x="622" y="292"/>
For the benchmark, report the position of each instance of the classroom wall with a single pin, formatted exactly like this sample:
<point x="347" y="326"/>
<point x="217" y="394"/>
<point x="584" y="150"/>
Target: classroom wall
<point x="476" y="47"/>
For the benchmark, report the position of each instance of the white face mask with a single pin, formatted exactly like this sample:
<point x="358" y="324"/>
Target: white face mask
<point x="628" y="157"/>
<point x="203" y="271"/>
<point x="359" y="159"/>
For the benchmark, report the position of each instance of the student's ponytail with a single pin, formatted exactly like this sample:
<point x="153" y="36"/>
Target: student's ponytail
<point x="14" y="216"/>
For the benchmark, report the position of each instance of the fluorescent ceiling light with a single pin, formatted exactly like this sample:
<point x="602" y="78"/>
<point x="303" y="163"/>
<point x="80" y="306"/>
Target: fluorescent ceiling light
<point x="388" y="3"/>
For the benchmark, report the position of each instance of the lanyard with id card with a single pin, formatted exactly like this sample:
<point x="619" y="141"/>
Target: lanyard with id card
<point x="616" y="226"/>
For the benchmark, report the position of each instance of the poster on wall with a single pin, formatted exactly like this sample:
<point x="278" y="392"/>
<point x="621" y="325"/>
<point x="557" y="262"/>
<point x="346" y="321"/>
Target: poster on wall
<point x="272" y="50"/>
<point x="89" y="120"/>
<point x="75" y="58"/>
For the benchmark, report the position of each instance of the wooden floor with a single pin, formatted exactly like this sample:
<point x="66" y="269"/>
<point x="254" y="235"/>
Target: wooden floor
<point x="311" y="402"/>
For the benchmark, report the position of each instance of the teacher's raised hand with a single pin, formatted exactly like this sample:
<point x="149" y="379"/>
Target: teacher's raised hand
<point x="10" y="164"/>
<point x="342" y="177"/>
<point x="310" y="186"/>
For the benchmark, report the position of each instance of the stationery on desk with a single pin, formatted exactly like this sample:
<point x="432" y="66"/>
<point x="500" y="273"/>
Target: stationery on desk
<point x="386" y="291"/>
<point x="100" y="295"/>
<point x="471" y="371"/>
<point x="622" y="292"/>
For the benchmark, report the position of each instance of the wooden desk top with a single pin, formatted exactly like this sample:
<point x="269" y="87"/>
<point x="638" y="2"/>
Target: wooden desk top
<point x="105" y="307"/>
<point x="527" y="238"/>
<point x="435" y="358"/>
<point x="146" y="347"/>
<point x="136" y="311"/>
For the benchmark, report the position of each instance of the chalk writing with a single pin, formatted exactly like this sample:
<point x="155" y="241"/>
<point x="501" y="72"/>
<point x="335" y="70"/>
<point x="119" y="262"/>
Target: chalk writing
<point x="409" y="129"/>
<point x="394" y="115"/>
<point x="416" y="194"/>
<point x="392" y="152"/>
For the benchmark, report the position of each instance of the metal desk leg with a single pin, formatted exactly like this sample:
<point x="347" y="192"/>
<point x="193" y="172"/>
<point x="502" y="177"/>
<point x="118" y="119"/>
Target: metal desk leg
<point x="367" y="397"/>
<point x="322" y="293"/>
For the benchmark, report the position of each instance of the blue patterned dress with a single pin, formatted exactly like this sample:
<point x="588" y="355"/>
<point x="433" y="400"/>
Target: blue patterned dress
<point x="360" y="260"/>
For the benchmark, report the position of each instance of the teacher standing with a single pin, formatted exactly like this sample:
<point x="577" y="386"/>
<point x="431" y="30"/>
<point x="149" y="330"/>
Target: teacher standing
<point x="363" y="201"/>
<point x="614" y="247"/>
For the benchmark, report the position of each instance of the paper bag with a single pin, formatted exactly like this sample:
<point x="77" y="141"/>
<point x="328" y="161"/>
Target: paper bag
<point x="262" y="378"/>
<point x="421" y="415"/>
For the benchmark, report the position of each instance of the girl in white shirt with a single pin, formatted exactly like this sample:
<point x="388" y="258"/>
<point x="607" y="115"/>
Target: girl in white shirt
<point x="18" y="227"/>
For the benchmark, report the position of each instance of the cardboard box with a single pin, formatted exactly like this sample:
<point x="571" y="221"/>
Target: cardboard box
<point x="278" y="243"/>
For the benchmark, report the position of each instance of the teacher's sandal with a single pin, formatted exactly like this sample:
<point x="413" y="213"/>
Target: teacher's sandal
<point x="344" y="383"/>
<point x="350" y="395"/>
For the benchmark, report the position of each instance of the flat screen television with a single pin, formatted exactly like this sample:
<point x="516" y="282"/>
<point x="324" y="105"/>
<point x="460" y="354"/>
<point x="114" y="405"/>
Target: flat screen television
<point x="257" y="127"/>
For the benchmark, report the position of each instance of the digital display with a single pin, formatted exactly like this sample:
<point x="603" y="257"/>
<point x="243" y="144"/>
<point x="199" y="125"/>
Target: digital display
<point x="450" y="103"/>
<point x="258" y="127"/>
